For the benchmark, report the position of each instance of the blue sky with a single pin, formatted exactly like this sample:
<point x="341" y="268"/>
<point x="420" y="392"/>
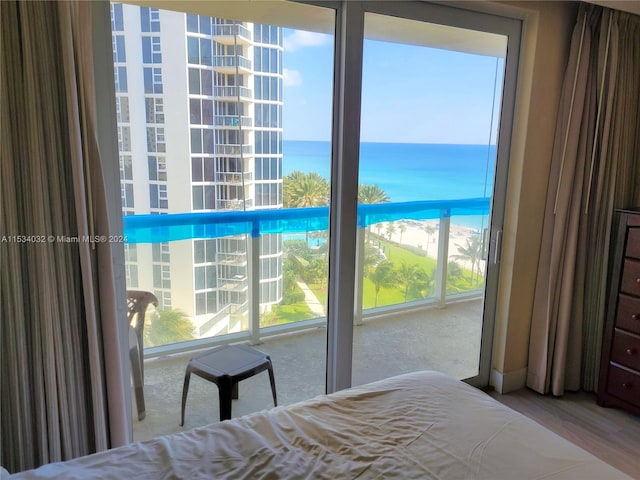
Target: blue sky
<point x="411" y="94"/>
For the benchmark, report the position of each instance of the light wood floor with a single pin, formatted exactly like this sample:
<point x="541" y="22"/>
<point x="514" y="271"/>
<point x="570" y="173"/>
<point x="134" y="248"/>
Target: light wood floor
<point x="609" y="434"/>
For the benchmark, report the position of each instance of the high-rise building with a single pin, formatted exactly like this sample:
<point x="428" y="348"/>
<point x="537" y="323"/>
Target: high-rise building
<point x="199" y="112"/>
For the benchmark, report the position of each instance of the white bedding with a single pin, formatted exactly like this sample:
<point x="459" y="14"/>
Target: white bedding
<point x="422" y="425"/>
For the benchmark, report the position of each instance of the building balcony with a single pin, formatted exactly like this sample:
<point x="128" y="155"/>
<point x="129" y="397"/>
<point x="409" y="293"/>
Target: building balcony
<point x="231" y="33"/>
<point x="299" y="366"/>
<point x="433" y="321"/>
<point x="235" y="205"/>
<point x="237" y="283"/>
<point x="233" y="121"/>
<point x="234" y="178"/>
<point x="234" y="150"/>
<point x="238" y="259"/>
<point x="228" y="64"/>
<point x="232" y="93"/>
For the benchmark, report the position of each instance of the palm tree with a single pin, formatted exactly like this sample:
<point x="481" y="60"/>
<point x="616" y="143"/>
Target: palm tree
<point x="429" y="230"/>
<point x="384" y="276"/>
<point x="316" y="271"/>
<point x="169" y="326"/>
<point x="370" y="259"/>
<point x="471" y="252"/>
<point x="305" y="190"/>
<point x="372" y="194"/>
<point x="289" y="276"/>
<point x="423" y="285"/>
<point x="454" y="272"/>
<point x="412" y="278"/>
<point x="391" y="229"/>
<point x="402" y="228"/>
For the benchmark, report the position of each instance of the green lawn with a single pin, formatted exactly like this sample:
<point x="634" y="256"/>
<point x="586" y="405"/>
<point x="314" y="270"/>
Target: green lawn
<point x="397" y="254"/>
<point x="387" y="296"/>
<point x="293" y="313"/>
<point x="283" y="314"/>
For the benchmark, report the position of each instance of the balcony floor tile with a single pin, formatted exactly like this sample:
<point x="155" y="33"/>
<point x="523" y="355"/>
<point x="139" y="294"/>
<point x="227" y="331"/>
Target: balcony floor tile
<point x="435" y="339"/>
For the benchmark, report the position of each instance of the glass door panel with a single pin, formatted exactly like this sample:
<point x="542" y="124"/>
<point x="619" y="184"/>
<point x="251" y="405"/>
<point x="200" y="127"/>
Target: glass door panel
<point x="224" y="128"/>
<point x="294" y="263"/>
<point x="431" y="97"/>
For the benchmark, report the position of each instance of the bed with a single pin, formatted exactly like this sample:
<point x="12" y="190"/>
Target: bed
<point x="421" y="425"/>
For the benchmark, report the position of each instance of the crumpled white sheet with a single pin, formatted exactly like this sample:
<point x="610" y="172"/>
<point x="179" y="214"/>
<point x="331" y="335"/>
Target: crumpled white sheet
<point x="422" y="425"/>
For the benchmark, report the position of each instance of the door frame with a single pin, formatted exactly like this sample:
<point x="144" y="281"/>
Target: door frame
<point x="349" y="38"/>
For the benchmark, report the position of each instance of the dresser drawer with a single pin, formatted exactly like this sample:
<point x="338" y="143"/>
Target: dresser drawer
<point x="631" y="277"/>
<point x="628" y="314"/>
<point x="633" y="243"/>
<point x="624" y="384"/>
<point x="626" y="350"/>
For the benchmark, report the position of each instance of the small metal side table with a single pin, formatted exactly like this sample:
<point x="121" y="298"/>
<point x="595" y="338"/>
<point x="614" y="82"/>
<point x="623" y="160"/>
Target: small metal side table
<point x="226" y="366"/>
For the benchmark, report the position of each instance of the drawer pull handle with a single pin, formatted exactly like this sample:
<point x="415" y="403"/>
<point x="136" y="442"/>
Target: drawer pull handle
<point x="631" y="351"/>
<point x="634" y="316"/>
<point x="627" y="386"/>
<point x="637" y="280"/>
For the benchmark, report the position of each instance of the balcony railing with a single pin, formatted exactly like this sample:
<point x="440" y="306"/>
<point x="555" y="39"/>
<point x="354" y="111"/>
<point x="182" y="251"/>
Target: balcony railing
<point x="181" y="226"/>
<point x="231" y="61"/>
<point x="234" y="178"/>
<point x="244" y="286"/>
<point x="233" y="121"/>
<point x="215" y="319"/>
<point x="231" y="30"/>
<point x="236" y="205"/>
<point x="233" y="258"/>
<point x="234" y="149"/>
<point x="232" y="92"/>
<point x="236" y="283"/>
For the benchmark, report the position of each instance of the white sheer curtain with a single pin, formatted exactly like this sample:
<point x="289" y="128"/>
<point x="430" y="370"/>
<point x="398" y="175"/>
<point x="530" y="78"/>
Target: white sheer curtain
<point x="595" y="168"/>
<point x="62" y="367"/>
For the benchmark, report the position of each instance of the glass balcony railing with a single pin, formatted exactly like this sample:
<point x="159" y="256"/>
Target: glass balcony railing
<point x="232" y="149"/>
<point x="232" y="92"/>
<point x="234" y="178"/>
<point x="231" y="30"/>
<point x="236" y="204"/>
<point x="231" y="61"/>
<point x="254" y="273"/>
<point x="233" y="121"/>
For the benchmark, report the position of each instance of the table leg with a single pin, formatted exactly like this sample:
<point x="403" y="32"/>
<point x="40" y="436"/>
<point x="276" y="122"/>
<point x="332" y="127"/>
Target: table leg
<point x="185" y="390"/>
<point x="234" y="391"/>
<point x="225" y="392"/>
<point x="272" y="380"/>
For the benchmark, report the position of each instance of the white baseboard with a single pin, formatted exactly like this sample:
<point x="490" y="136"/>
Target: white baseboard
<point x="508" y="382"/>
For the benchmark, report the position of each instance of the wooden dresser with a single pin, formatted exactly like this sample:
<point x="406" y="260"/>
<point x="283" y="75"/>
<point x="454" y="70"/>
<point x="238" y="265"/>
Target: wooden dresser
<point x="619" y="384"/>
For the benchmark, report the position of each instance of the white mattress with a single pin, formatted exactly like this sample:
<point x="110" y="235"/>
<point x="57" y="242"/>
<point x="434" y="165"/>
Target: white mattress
<point x="422" y="425"/>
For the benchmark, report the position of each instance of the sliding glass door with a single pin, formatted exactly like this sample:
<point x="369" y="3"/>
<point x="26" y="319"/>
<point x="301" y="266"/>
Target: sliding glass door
<point x="325" y="182"/>
<point x="436" y="98"/>
<point x="431" y="98"/>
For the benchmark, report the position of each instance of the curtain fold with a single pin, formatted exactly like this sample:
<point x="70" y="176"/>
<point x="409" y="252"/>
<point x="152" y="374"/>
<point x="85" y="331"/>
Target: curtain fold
<point x="594" y="170"/>
<point x="61" y="362"/>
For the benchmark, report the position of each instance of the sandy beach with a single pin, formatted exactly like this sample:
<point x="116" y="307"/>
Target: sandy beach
<point x="425" y="236"/>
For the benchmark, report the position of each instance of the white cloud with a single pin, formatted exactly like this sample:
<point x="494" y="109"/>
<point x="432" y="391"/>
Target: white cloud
<point x="300" y="39"/>
<point x="292" y="78"/>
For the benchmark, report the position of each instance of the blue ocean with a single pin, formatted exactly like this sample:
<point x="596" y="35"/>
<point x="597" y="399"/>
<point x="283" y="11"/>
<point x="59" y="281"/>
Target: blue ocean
<point x="408" y="171"/>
